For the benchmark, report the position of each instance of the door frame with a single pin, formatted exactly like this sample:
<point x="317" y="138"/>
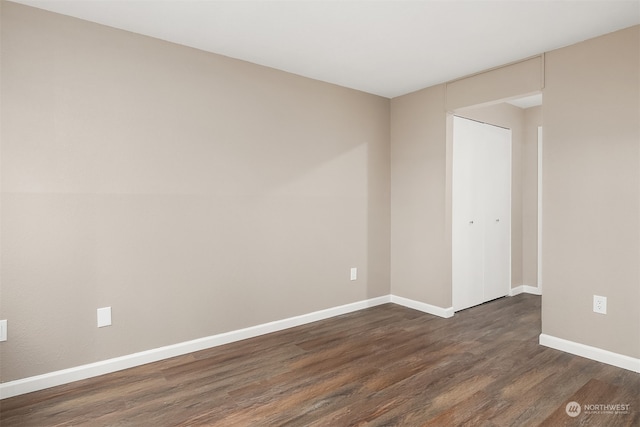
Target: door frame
<point x="539" y="274"/>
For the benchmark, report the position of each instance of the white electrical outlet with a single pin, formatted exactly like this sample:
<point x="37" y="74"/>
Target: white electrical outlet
<point x="599" y="304"/>
<point x="3" y="330"/>
<point x="354" y="273"/>
<point x="104" y="317"/>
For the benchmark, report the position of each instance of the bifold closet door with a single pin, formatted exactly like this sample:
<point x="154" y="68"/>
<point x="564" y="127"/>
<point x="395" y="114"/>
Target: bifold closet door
<point x="467" y="227"/>
<point x="481" y="214"/>
<point x="497" y="212"/>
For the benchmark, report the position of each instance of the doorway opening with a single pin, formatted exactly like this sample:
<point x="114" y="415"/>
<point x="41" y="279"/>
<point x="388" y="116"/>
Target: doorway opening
<point x="523" y="116"/>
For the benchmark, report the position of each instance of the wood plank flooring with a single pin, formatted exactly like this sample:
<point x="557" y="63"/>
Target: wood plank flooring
<point x="384" y="366"/>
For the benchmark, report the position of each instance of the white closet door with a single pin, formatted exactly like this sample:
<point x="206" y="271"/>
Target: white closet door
<point x="497" y="212"/>
<point x="467" y="221"/>
<point x="481" y="222"/>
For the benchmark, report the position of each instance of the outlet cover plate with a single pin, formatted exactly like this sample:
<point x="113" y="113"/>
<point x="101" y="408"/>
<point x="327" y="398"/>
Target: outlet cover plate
<point x="354" y="273"/>
<point x="104" y="317"/>
<point x="599" y="304"/>
<point x="3" y="330"/>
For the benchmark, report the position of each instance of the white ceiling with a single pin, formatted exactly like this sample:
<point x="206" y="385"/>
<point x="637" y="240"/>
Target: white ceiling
<point x="387" y="48"/>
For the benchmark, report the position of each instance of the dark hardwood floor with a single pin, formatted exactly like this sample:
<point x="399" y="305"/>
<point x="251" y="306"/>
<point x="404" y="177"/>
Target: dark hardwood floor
<point x="384" y="366"/>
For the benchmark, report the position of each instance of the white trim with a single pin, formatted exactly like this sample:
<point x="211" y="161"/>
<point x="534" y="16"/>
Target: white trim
<point x="52" y="379"/>
<point x="525" y="289"/>
<point x="516" y="291"/>
<point x="65" y="376"/>
<point x="540" y="208"/>
<point x="593" y="353"/>
<point x="422" y="306"/>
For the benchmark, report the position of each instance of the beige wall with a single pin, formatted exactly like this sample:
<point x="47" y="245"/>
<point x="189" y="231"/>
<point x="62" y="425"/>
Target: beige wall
<point x="420" y="237"/>
<point x="485" y="88"/>
<point x="192" y="193"/>
<point x="532" y="119"/>
<point x="591" y="192"/>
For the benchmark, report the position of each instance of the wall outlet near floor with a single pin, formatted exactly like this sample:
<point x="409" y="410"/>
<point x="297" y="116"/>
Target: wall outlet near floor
<point x="104" y="317"/>
<point x="3" y="330"/>
<point x="599" y="304"/>
<point x="354" y="273"/>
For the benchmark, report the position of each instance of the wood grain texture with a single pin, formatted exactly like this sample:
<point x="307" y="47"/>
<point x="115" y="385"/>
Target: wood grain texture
<point x="383" y="366"/>
<point x="602" y="404"/>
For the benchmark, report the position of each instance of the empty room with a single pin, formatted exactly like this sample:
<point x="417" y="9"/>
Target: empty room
<point x="319" y="213"/>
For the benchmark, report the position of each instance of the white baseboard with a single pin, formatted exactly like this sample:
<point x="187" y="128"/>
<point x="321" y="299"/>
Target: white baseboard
<point x="424" y="307"/>
<point x="52" y="379"/>
<point x="525" y="289"/>
<point x="593" y="353"/>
